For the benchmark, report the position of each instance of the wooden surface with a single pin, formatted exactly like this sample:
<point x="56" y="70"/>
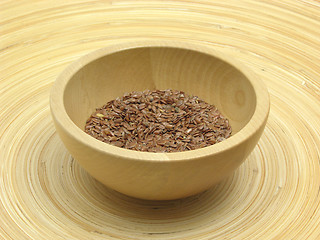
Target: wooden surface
<point x="44" y="194"/>
<point x="110" y="72"/>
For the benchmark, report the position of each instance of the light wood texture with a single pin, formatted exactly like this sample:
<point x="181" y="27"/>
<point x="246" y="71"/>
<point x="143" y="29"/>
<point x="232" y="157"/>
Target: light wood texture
<point x="109" y="73"/>
<point x="274" y="194"/>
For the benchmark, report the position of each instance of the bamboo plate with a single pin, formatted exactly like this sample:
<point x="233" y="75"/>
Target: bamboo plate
<point x="46" y="195"/>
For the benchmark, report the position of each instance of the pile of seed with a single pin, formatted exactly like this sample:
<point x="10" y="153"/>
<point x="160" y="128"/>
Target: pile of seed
<point x="158" y="121"/>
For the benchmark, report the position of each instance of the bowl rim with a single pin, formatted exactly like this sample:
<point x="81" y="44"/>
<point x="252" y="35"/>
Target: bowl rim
<point x="61" y="117"/>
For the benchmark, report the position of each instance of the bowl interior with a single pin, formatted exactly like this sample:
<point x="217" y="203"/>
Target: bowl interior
<point x="138" y="69"/>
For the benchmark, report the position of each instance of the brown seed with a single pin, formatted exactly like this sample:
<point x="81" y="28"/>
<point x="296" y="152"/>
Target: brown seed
<point x="100" y="115"/>
<point x="157" y="132"/>
<point x="117" y="143"/>
<point x="198" y="120"/>
<point x="169" y="126"/>
<point x="117" y="110"/>
<point x="97" y="121"/>
<point x="209" y="134"/>
<point x="188" y="130"/>
<point x="131" y="144"/>
<point x="96" y="130"/>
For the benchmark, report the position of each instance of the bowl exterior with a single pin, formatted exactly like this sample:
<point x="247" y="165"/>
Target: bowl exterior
<point x="158" y="180"/>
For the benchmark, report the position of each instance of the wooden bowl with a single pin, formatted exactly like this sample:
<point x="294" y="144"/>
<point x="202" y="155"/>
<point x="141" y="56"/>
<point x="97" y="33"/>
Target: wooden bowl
<point x="110" y="72"/>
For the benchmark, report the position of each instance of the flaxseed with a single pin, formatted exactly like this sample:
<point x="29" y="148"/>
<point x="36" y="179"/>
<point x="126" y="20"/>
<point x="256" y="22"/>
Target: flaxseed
<point x="158" y="121"/>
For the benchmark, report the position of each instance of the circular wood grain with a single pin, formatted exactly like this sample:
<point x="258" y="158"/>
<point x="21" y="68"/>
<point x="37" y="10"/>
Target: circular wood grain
<point x="275" y="194"/>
